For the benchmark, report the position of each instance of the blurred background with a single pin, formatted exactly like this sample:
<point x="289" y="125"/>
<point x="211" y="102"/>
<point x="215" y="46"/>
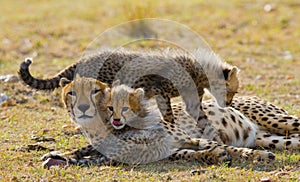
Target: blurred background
<point x="261" y="37"/>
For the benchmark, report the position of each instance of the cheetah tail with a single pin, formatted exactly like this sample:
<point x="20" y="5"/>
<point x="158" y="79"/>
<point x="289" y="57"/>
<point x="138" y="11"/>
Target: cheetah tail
<point x="43" y="84"/>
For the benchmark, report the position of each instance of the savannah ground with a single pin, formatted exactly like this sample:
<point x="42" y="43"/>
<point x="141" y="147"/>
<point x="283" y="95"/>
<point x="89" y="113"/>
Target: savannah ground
<point x="263" y="43"/>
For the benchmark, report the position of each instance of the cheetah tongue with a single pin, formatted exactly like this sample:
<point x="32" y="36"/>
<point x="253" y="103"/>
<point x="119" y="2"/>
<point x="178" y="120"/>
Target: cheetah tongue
<point x="116" y="123"/>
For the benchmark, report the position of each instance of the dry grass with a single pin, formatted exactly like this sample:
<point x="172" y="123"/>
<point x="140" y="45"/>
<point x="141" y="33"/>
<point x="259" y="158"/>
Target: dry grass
<point x="265" y="45"/>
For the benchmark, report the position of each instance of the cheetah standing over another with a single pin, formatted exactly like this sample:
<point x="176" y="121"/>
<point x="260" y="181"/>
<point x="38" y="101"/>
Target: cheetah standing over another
<point x="162" y="74"/>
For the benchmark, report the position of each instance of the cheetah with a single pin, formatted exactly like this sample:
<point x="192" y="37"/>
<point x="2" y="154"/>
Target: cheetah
<point x="235" y="128"/>
<point x="182" y="140"/>
<point x="164" y="74"/>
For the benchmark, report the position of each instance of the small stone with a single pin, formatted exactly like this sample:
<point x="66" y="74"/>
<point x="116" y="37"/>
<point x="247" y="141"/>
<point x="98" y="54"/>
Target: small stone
<point x="258" y="77"/>
<point x="289" y="77"/>
<point x="66" y="126"/>
<point x="3" y="98"/>
<point x="197" y="172"/>
<point x="42" y="138"/>
<point x="265" y="180"/>
<point x="46" y="130"/>
<point x="281" y="174"/>
<point x="5" y="101"/>
<point x="6" y="41"/>
<point x="268" y="8"/>
<point x="250" y="60"/>
<point x="286" y="55"/>
<point x="77" y="128"/>
<point x="9" y="78"/>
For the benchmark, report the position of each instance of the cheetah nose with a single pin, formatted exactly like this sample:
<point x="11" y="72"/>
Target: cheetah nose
<point x="117" y="122"/>
<point x="271" y="156"/>
<point x="83" y="107"/>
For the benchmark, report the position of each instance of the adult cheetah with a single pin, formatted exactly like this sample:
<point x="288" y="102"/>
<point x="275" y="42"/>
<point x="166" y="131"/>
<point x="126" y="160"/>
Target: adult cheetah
<point x="163" y="74"/>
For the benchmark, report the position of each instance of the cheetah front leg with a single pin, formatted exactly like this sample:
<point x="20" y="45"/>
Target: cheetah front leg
<point x="207" y="157"/>
<point x="238" y="152"/>
<point x="194" y="108"/>
<point x="250" y="154"/>
<point x="85" y="156"/>
<point x="164" y="105"/>
<point x="210" y="152"/>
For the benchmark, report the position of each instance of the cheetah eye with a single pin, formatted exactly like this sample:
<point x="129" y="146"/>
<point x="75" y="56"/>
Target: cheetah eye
<point x="124" y="109"/>
<point x="111" y="108"/>
<point x="230" y="91"/>
<point x="95" y="91"/>
<point x="71" y="93"/>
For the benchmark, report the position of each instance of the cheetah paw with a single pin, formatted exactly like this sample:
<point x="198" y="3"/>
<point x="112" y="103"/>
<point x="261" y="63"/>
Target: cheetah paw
<point x="56" y="158"/>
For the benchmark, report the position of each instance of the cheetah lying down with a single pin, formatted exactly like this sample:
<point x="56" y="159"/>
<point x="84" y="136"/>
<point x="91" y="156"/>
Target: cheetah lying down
<point x="122" y="105"/>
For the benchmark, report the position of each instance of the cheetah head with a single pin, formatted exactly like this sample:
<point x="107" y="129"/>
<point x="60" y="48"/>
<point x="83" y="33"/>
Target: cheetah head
<point x="124" y="104"/>
<point x="83" y="97"/>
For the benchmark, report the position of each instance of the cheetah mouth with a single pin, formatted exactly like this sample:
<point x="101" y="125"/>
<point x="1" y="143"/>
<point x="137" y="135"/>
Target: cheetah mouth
<point x="84" y="116"/>
<point x="117" y="124"/>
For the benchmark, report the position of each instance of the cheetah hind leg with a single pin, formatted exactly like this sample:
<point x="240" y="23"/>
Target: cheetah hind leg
<point x="273" y="141"/>
<point x="282" y="124"/>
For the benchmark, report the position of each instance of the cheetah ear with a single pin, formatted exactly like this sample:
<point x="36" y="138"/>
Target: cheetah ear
<point x="116" y="83"/>
<point x="229" y="73"/>
<point x="64" y="81"/>
<point x="234" y="71"/>
<point x="77" y="75"/>
<point x="102" y="85"/>
<point x="139" y="92"/>
<point x="107" y="90"/>
<point x="106" y="95"/>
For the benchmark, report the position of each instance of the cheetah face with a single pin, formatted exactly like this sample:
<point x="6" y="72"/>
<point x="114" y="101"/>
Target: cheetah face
<point x="82" y="98"/>
<point x="124" y="104"/>
<point x="117" y="122"/>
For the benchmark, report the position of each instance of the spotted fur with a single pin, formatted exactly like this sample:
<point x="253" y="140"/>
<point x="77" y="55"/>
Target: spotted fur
<point x="163" y="74"/>
<point x="186" y="136"/>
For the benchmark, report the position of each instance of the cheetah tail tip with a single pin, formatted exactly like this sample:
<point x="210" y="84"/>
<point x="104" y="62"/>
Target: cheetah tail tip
<point x="26" y="63"/>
